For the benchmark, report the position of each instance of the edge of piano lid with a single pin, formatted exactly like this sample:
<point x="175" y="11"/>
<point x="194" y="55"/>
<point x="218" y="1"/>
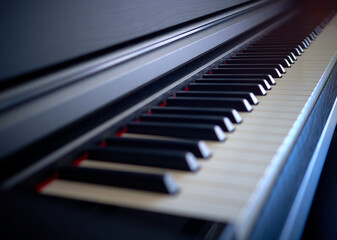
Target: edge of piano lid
<point x="53" y="126"/>
<point x="115" y="75"/>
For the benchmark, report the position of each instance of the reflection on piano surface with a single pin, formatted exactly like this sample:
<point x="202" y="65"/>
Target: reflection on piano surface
<point x="213" y="136"/>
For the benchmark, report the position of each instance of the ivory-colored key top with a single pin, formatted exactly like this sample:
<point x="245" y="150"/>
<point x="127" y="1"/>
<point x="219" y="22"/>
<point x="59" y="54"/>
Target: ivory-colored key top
<point x="271" y="114"/>
<point x="234" y="154"/>
<point x="137" y="199"/>
<point x="146" y="136"/>
<point x="206" y="177"/>
<point x="267" y="122"/>
<point x="247" y="146"/>
<point x="246" y="166"/>
<point x="260" y="129"/>
<point x="295" y="87"/>
<point x="294" y="92"/>
<point x="251" y="136"/>
<point x="185" y="183"/>
<point x="307" y="83"/>
<point x="305" y="74"/>
<point x="249" y="169"/>
<point x="281" y="108"/>
<point x="280" y="98"/>
<point x="276" y="103"/>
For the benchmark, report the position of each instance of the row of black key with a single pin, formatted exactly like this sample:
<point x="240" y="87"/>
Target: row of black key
<point x="204" y="111"/>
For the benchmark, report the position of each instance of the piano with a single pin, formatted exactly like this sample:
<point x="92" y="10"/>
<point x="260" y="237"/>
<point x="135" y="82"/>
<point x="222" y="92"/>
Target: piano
<point x="164" y="119"/>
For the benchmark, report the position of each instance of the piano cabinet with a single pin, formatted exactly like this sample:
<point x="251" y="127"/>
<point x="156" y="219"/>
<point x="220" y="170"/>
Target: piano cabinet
<point x="213" y="124"/>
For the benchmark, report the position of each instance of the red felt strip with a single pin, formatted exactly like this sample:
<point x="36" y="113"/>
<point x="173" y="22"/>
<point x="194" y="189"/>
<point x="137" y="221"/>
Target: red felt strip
<point x="163" y="104"/>
<point x="102" y="144"/>
<point x="121" y="132"/>
<point x="78" y="161"/>
<point x="41" y="185"/>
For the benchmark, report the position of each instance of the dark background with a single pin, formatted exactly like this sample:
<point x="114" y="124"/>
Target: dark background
<point x="322" y="221"/>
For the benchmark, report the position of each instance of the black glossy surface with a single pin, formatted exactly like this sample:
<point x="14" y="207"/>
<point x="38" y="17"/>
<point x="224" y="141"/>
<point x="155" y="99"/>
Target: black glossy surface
<point x="125" y="179"/>
<point x="264" y="75"/>
<point x="272" y="50"/>
<point x="289" y="56"/>
<point x="253" y="65"/>
<point x="195" y="147"/>
<point x="220" y="94"/>
<point x="222" y="122"/>
<point x="34" y="217"/>
<point x="255" y="88"/>
<point x="284" y="62"/>
<point x="244" y="70"/>
<point x="145" y="156"/>
<point x="179" y="130"/>
<point x="127" y="223"/>
<point x="263" y="82"/>
<point x="239" y="104"/>
<point x="231" y="113"/>
<point x="52" y="32"/>
<point x="263" y="56"/>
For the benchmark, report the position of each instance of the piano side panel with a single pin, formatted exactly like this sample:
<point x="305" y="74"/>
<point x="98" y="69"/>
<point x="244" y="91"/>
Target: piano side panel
<point x="321" y="223"/>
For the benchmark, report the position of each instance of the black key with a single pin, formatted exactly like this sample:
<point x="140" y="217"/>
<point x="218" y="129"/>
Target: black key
<point x="285" y="38"/>
<point x="281" y="40"/>
<point x="223" y="122"/>
<point x="289" y="47"/>
<point x="255" y="88"/>
<point x="309" y="35"/>
<point x="267" y="77"/>
<point x="277" y="45"/>
<point x="228" y="70"/>
<point x="294" y="32"/>
<point x="282" y="61"/>
<point x="261" y="56"/>
<point x="162" y="158"/>
<point x="312" y="36"/>
<point x="162" y="183"/>
<point x="254" y="65"/>
<point x="246" y="95"/>
<point x="317" y="30"/>
<point x="179" y="130"/>
<point x="289" y="55"/>
<point x="253" y="49"/>
<point x="257" y="56"/>
<point x="308" y="40"/>
<point x="239" y="104"/>
<point x="198" y="148"/>
<point x="300" y="48"/>
<point x="272" y="52"/>
<point x="303" y="43"/>
<point x="263" y="82"/>
<point x="232" y="114"/>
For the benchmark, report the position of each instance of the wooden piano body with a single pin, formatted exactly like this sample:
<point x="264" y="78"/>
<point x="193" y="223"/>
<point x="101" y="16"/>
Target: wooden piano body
<point x="258" y="184"/>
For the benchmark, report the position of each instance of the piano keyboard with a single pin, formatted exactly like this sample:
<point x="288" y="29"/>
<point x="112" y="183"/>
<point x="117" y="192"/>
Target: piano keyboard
<point x="203" y="172"/>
